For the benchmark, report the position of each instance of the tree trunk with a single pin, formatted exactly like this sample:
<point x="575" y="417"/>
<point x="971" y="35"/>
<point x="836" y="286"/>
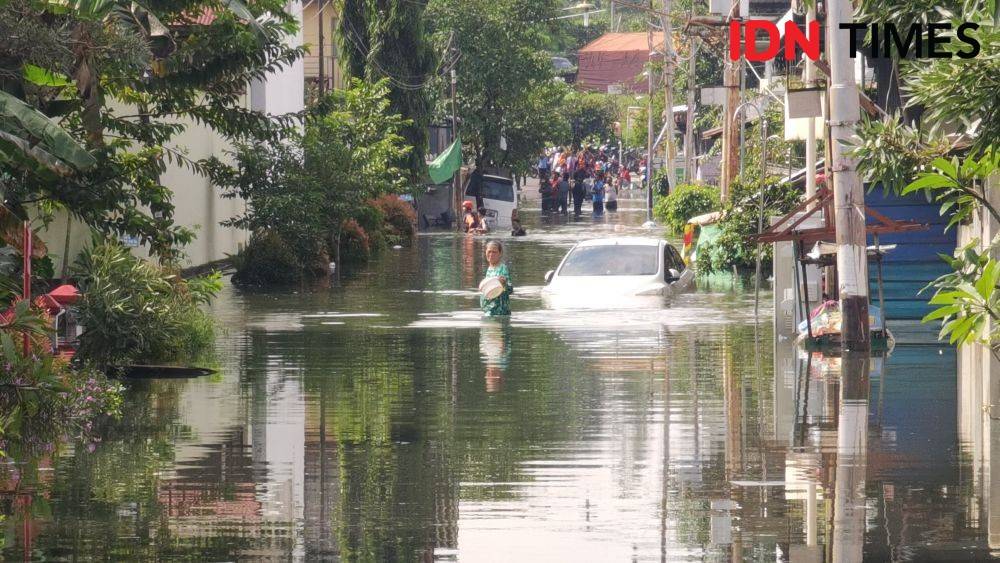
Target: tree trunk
<point x="87" y="84"/>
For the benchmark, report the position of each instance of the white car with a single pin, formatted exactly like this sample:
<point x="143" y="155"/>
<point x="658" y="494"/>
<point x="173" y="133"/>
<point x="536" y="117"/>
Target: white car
<point x="612" y="272"/>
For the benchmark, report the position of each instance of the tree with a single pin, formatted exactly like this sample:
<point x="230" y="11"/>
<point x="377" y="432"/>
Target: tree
<point x="539" y="120"/>
<point x="501" y="66"/>
<point x="959" y="93"/>
<point x="304" y="188"/>
<point x="385" y="39"/>
<point x="120" y="83"/>
<point x="591" y="116"/>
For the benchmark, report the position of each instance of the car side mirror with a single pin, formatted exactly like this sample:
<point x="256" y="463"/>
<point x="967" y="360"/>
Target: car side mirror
<point x="548" y="275"/>
<point x="674" y="274"/>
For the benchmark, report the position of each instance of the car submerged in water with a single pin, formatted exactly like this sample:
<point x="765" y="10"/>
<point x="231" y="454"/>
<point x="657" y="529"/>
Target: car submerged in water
<point x="617" y="272"/>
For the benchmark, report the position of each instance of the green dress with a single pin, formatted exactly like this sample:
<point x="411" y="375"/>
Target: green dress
<point x="500" y="306"/>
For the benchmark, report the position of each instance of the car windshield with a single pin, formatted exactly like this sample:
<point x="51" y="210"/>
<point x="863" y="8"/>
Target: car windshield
<point x="611" y="260"/>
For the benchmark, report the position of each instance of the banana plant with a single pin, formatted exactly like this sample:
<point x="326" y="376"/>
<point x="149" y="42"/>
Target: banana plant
<point x="31" y="140"/>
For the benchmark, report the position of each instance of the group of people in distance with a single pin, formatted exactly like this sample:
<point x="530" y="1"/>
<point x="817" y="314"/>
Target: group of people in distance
<point x="586" y="173"/>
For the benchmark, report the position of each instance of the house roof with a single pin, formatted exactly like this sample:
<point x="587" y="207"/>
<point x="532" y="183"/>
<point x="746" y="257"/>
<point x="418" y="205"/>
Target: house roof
<point x="621" y="42"/>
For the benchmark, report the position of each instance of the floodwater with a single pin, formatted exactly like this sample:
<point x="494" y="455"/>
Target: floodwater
<point x="387" y="421"/>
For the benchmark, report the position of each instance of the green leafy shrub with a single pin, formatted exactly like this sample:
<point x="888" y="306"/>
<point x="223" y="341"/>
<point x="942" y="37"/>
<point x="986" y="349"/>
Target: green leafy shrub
<point x="372" y="221"/>
<point x="267" y="260"/>
<point x="734" y="247"/>
<point x="687" y="201"/>
<point x="136" y="312"/>
<point x="399" y="218"/>
<point x="355" y="246"/>
<point x="305" y="187"/>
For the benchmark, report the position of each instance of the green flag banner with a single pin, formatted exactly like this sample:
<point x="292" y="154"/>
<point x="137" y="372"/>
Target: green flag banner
<point x="447" y="163"/>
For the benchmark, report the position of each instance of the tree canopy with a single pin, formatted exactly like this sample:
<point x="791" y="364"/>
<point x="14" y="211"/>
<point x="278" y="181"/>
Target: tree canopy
<point x="385" y="39"/>
<point x="504" y="75"/>
<point x="110" y="84"/>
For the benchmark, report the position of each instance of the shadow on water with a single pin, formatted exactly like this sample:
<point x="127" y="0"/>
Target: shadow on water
<point x="386" y="420"/>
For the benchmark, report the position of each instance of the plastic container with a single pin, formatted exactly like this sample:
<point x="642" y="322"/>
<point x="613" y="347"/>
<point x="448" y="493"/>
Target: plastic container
<point x="491" y="288"/>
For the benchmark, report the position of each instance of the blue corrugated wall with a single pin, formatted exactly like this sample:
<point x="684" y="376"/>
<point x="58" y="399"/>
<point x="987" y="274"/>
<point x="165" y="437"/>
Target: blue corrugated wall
<point x="915" y="261"/>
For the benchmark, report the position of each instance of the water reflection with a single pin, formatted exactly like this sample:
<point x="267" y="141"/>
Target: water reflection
<point x="494" y="348"/>
<point x="427" y="433"/>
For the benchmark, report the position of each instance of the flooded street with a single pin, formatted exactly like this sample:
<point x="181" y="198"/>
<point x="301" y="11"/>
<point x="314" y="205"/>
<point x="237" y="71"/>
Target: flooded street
<point x="388" y="421"/>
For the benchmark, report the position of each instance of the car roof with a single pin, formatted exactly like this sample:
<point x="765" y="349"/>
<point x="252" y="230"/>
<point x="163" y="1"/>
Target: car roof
<point x="611" y="241"/>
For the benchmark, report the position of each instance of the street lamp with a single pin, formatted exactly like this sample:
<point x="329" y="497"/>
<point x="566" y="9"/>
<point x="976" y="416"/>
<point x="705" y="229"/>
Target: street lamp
<point x="587" y="11"/>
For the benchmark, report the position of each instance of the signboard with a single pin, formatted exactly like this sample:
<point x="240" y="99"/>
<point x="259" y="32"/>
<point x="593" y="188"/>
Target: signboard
<point x="714" y="96"/>
<point x="129" y="241"/>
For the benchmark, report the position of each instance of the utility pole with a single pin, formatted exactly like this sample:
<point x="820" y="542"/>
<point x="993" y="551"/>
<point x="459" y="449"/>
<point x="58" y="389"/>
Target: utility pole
<point x="689" y="140"/>
<point x="649" y="129"/>
<point x="670" y="149"/>
<point x="321" y="74"/>
<point x="811" y="130"/>
<point x="848" y="193"/>
<point x="457" y="179"/>
<point x="614" y="28"/>
<point x="730" y="127"/>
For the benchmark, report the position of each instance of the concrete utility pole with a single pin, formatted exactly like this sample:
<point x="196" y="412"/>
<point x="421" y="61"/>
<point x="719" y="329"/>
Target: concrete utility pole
<point x="848" y="192"/>
<point x="670" y="148"/>
<point x="811" y="132"/>
<point x="689" y="141"/>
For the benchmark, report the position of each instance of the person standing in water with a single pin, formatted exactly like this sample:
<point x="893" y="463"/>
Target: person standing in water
<point x="597" y="195"/>
<point x="498" y="306"/>
<point x="579" y="189"/>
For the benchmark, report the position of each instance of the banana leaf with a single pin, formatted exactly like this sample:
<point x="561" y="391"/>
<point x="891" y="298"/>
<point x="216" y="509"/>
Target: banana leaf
<point x="25" y="129"/>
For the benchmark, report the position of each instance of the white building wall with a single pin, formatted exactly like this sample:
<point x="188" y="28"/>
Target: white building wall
<point x="198" y="205"/>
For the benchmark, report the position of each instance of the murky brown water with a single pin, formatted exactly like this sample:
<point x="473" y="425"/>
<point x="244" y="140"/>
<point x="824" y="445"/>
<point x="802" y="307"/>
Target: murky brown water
<point x="386" y="421"/>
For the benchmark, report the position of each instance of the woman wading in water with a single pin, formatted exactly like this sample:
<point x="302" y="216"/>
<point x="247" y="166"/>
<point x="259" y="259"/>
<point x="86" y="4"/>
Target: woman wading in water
<point x="498" y="306"/>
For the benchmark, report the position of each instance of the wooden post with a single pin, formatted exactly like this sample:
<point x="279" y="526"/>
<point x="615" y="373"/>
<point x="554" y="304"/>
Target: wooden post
<point x="730" y="126"/>
<point x="849" y="196"/>
<point x="689" y="140"/>
<point x="26" y="279"/>
<point x="321" y="76"/>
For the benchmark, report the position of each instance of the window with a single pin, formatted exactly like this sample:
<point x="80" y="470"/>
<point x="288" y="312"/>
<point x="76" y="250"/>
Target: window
<point x="671" y="259"/>
<point x="612" y="260"/>
<point x="675" y="258"/>
<point x="493" y="188"/>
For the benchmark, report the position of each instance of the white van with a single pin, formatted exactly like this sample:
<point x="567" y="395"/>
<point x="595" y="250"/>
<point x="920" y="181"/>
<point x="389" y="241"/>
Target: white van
<point x="499" y="198"/>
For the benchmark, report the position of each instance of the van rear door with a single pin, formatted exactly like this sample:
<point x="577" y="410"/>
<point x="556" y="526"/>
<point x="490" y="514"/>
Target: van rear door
<point x="499" y="198"/>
